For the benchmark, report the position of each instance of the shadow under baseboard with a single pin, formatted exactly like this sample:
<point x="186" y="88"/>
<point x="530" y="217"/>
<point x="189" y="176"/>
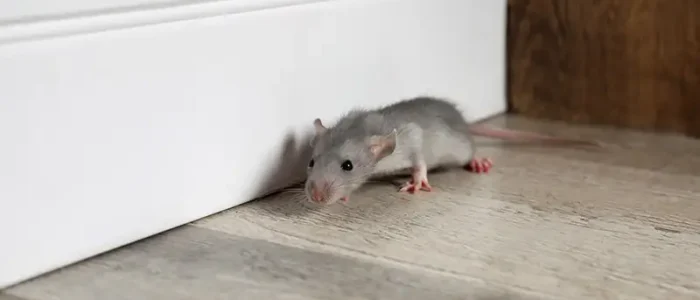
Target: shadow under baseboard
<point x="289" y="170"/>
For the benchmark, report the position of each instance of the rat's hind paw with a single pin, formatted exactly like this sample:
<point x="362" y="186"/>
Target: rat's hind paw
<point x="411" y="186"/>
<point x="477" y="165"/>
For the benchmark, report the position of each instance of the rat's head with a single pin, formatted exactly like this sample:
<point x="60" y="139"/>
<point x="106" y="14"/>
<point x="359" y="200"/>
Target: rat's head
<point x="342" y="162"/>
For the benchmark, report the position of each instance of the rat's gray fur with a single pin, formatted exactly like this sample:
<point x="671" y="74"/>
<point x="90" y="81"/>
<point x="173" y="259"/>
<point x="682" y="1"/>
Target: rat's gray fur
<point x="428" y="133"/>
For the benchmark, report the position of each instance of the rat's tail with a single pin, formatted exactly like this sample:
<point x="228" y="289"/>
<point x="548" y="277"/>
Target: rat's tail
<point x="524" y="136"/>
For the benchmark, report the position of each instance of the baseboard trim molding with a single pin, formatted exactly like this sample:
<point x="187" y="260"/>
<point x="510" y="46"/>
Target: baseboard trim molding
<point x="59" y="26"/>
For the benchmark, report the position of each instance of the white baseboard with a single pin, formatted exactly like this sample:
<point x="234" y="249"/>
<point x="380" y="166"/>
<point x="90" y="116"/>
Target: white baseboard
<point x="115" y="16"/>
<point x="113" y="135"/>
<point x="36" y="11"/>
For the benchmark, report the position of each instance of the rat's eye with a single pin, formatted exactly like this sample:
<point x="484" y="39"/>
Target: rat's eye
<point x="311" y="163"/>
<point x="347" y="165"/>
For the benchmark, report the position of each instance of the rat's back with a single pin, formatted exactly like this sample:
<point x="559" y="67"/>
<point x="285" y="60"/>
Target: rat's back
<point x="427" y="112"/>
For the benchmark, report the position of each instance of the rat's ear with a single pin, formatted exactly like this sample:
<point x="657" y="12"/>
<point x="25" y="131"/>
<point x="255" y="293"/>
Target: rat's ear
<point x="319" y="131"/>
<point x="318" y="126"/>
<point x="381" y="146"/>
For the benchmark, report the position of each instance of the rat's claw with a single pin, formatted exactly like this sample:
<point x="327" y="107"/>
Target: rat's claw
<point x="409" y="187"/>
<point x="425" y="186"/>
<point x="479" y="165"/>
<point x="412" y="187"/>
<point x="419" y="180"/>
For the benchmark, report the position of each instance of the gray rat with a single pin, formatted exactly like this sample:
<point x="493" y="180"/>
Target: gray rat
<point x="410" y="136"/>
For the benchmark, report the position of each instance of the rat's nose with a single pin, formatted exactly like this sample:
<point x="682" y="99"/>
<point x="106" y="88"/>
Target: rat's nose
<point x="317" y="193"/>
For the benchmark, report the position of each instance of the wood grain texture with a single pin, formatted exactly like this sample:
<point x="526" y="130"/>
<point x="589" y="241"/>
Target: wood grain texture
<point x="4" y="296"/>
<point x="622" y="222"/>
<point x="196" y="263"/>
<point x="618" y="223"/>
<point x="633" y="64"/>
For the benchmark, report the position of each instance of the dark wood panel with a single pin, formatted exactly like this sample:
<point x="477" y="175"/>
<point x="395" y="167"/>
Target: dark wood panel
<point x="627" y="63"/>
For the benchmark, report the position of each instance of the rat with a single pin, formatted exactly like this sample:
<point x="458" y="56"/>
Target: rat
<point x="411" y="136"/>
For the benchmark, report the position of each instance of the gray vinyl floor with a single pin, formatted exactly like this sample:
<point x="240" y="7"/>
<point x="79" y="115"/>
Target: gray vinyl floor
<point x="545" y="223"/>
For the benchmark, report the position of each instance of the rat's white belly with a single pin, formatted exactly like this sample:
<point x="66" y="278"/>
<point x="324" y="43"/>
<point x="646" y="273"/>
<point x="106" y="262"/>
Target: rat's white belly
<point x="459" y="155"/>
<point x="438" y="148"/>
<point x="401" y="164"/>
<point x="447" y="149"/>
<point x="398" y="163"/>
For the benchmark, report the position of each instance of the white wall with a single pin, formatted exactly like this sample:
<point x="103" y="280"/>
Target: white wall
<point x="112" y="135"/>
